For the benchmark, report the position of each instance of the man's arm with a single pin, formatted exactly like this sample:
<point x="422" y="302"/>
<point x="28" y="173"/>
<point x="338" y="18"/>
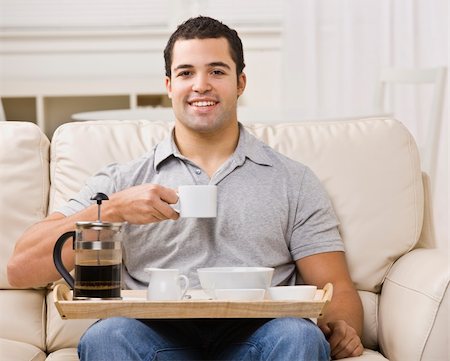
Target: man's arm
<point x="342" y="323"/>
<point x="31" y="263"/>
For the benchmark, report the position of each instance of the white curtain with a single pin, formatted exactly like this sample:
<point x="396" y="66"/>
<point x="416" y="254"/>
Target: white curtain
<point x="332" y="53"/>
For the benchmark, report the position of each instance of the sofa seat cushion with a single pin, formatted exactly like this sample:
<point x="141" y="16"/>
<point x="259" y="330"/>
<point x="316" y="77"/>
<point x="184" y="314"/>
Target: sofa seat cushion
<point x="64" y="354"/>
<point x="15" y="350"/>
<point x="63" y="333"/>
<point x="22" y="317"/>
<point x="370" y="303"/>
<point x="368" y="355"/>
<point x="70" y="354"/>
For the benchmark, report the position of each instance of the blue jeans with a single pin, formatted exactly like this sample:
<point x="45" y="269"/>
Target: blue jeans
<point x="126" y="339"/>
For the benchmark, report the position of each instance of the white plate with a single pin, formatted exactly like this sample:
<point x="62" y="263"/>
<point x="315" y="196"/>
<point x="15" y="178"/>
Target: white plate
<point x="246" y="294"/>
<point x="298" y="293"/>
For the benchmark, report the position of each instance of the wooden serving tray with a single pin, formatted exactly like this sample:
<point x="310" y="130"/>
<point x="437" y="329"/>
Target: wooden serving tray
<point x="135" y="305"/>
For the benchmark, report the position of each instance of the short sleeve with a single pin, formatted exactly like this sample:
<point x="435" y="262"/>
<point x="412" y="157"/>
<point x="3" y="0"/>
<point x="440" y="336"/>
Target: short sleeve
<point x="316" y="226"/>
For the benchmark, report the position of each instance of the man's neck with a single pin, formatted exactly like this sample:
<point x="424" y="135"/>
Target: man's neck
<point x="208" y="150"/>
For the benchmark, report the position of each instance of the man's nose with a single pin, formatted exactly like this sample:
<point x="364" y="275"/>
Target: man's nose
<point x="201" y="84"/>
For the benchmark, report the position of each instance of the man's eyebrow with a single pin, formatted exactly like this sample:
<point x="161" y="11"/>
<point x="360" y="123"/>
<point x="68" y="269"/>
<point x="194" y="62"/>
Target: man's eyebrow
<point x="219" y="63"/>
<point x="183" y="66"/>
<point x="213" y="64"/>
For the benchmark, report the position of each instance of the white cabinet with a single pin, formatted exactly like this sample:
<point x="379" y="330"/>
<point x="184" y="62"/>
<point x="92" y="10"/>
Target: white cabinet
<point x="51" y="103"/>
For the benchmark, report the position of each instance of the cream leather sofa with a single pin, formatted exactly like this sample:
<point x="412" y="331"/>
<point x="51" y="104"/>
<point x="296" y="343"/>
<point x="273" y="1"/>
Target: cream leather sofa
<point x="370" y="168"/>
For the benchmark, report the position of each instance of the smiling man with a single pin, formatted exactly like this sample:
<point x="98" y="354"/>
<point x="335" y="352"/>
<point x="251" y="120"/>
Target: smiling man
<point x="272" y="211"/>
<point x="204" y="91"/>
<point x="204" y="85"/>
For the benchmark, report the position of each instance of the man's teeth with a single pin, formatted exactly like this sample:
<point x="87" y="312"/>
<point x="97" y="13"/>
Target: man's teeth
<point x="203" y="104"/>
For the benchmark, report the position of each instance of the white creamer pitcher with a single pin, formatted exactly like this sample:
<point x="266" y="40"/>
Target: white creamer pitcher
<point x="165" y="284"/>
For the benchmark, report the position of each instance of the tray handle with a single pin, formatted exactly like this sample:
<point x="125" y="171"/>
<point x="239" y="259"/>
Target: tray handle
<point x="61" y="293"/>
<point x="327" y="293"/>
<point x="326" y="298"/>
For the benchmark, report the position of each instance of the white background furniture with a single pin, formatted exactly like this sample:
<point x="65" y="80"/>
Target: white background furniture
<point x="2" y="112"/>
<point x="50" y="102"/>
<point x="432" y="120"/>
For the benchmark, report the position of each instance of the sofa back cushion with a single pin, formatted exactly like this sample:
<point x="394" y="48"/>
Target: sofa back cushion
<point x="24" y="176"/>
<point x="370" y="168"/>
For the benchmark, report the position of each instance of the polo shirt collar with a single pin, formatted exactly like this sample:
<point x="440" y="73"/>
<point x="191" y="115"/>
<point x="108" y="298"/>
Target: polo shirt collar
<point x="248" y="147"/>
<point x="165" y="149"/>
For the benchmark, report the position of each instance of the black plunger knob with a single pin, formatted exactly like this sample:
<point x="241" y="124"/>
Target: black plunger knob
<point x="99" y="197"/>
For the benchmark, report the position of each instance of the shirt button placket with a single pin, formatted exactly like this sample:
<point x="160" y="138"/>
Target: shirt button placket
<point x="198" y="175"/>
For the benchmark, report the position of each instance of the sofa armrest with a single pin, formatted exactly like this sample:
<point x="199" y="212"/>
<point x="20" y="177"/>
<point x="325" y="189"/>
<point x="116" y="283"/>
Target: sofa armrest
<point x="413" y="310"/>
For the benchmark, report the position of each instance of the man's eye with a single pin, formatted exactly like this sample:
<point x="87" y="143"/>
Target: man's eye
<point x="184" y="73"/>
<point x="218" y="72"/>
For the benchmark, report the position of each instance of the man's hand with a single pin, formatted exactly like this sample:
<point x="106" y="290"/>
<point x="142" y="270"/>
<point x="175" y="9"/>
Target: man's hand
<point x="342" y="322"/>
<point x="343" y="339"/>
<point x="142" y="204"/>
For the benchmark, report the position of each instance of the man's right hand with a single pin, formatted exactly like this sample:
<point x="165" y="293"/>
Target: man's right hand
<point x="142" y="204"/>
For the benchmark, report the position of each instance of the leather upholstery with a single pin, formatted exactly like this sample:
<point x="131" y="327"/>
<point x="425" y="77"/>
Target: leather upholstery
<point x="409" y="303"/>
<point x="14" y="350"/>
<point x="22" y="316"/>
<point x="370" y="167"/>
<point x="24" y="179"/>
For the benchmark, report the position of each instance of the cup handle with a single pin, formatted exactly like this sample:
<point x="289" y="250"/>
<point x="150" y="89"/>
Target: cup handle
<point x="186" y="285"/>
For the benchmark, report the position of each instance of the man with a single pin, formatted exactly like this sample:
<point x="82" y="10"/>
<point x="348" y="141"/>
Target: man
<point x="272" y="212"/>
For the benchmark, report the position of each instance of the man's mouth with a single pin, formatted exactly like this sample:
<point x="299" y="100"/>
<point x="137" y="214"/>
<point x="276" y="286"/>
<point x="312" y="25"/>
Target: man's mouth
<point x="203" y="103"/>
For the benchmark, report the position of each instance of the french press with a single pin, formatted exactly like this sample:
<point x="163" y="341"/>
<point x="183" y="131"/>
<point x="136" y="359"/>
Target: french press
<point x="98" y="258"/>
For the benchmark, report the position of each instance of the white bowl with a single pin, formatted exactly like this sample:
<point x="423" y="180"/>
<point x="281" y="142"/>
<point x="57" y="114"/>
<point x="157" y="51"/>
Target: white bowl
<point x="240" y="294"/>
<point x="298" y="293"/>
<point x="213" y="278"/>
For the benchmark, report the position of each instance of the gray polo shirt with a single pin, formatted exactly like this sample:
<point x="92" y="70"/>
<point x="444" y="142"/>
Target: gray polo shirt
<point x="271" y="211"/>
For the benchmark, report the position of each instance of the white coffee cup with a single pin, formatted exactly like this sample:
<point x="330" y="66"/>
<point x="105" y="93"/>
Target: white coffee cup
<point x="165" y="284"/>
<point x="197" y="201"/>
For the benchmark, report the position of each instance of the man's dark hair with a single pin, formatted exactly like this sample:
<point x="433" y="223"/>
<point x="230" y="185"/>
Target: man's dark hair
<point x="203" y="27"/>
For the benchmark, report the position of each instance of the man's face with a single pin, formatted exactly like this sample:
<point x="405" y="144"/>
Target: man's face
<point x="203" y="85"/>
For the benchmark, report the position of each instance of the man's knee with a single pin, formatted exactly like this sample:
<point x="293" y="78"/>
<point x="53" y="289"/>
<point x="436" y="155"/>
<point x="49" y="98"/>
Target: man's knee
<point x="291" y="338"/>
<point x="110" y="329"/>
<point x="292" y="326"/>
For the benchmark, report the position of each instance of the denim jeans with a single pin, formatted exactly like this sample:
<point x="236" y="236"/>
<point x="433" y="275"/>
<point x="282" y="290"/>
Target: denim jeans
<point x="126" y="339"/>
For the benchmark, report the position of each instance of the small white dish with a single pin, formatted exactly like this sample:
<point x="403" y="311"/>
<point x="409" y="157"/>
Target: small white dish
<point x="242" y="294"/>
<point x="298" y="293"/>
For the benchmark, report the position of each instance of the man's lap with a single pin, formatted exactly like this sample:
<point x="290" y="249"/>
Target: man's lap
<point x="210" y="339"/>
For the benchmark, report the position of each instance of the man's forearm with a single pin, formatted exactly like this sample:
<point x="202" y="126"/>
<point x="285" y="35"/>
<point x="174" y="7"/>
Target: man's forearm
<point x="31" y="264"/>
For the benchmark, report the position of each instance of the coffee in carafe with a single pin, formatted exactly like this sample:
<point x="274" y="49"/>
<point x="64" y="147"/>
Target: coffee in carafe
<point x="98" y="258"/>
<point x="98" y="281"/>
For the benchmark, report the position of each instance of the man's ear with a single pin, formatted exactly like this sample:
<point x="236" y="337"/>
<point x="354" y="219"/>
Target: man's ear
<point x="242" y="82"/>
<point x="169" y="87"/>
